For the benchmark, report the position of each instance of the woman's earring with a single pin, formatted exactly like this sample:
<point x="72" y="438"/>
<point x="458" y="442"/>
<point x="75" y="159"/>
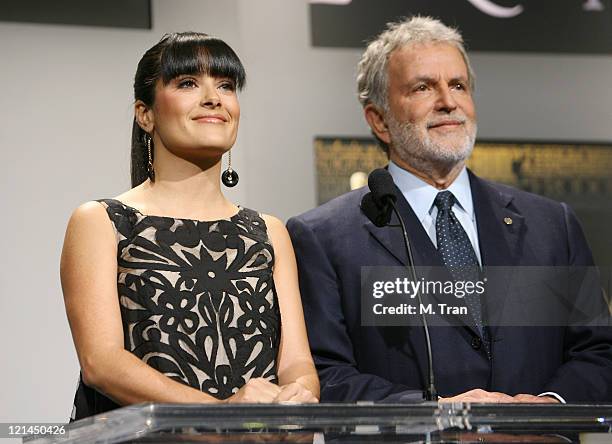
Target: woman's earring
<point x="150" y="170"/>
<point x="229" y="176"/>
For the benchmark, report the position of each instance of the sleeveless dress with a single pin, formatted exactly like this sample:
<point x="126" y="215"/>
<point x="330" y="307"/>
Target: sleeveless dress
<point x="197" y="299"/>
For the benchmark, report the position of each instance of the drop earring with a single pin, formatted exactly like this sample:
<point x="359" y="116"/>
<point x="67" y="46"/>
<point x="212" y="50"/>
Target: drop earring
<point x="229" y="176"/>
<point x="150" y="169"/>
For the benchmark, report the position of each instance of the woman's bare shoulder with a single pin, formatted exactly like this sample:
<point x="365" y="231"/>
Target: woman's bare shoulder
<point x="90" y="234"/>
<point x="278" y="234"/>
<point x="276" y="228"/>
<point x="88" y="212"/>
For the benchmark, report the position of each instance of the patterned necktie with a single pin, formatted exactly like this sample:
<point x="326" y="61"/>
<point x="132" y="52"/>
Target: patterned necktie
<point x="456" y="249"/>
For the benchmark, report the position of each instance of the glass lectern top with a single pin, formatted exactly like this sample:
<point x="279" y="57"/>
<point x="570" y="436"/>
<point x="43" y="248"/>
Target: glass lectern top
<point x="343" y="423"/>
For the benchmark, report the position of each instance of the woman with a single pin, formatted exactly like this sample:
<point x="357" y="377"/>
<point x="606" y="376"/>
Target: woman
<point x="173" y="293"/>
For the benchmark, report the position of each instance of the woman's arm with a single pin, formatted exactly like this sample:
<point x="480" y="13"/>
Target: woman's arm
<point x="295" y="364"/>
<point x="89" y="283"/>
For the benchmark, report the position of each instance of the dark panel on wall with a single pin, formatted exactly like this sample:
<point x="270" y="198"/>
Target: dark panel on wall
<point x="111" y="13"/>
<point x="568" y="26"/>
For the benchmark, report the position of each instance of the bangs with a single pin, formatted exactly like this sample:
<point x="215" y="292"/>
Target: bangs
<point x="197" y="54"/>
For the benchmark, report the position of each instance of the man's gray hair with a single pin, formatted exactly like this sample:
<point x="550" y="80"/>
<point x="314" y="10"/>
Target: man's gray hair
<point x="372" y="80"/>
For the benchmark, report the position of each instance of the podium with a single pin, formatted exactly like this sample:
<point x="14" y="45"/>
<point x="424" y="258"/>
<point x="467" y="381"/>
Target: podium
<point x="343" y="423"/>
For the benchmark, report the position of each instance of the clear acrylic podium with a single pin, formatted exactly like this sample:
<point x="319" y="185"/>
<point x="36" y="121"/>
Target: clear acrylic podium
<point x="343" y="423"/>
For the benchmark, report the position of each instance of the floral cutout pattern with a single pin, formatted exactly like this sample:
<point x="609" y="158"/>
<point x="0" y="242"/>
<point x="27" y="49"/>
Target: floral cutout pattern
<point x="197" y="298"/>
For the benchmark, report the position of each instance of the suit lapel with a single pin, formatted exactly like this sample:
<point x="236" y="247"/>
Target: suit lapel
<point x="500" y="228"/>
<point x="424" y="252"/>
<point x="500" y="236"/>
<point x="391" y="238"/>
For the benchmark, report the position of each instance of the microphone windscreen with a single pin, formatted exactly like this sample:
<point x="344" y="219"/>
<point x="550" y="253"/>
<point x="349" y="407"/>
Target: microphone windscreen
<point x="379" y="216"/>
<point x="381" y="185"/>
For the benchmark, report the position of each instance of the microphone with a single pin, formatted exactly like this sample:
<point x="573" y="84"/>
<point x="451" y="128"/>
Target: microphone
<point x="378" y="205"/>
<point x="382" y="186"/>
<point x="379" y="216"/>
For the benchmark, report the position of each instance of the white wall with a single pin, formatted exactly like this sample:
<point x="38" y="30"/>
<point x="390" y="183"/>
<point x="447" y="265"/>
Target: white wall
<point x="65" y="120"/>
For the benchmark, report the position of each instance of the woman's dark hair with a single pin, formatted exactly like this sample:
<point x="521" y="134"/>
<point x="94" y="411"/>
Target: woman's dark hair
<point x="176" y="54"/>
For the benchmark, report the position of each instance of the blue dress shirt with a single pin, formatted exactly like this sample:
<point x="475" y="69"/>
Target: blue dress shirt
<point x="420" y="195"/>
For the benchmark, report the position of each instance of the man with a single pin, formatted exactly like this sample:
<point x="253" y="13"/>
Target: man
<point x="415" y="84"/>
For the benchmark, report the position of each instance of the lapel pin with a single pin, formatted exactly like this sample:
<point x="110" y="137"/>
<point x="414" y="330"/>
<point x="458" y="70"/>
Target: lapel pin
<point x="508" y="220"/>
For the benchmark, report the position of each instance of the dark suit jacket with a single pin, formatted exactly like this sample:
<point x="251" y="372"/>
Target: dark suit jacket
<point x="358" y="362"/>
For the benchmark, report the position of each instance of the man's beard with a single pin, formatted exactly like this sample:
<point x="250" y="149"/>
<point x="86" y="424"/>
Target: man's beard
<point x="417" y="149"/>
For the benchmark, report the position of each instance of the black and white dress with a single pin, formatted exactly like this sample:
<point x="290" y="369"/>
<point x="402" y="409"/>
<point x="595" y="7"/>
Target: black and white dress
<point x="197" y="299"/>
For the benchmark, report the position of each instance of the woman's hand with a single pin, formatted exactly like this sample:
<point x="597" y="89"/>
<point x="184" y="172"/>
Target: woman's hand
<point x="296" y="392"/>
<point x="256" y="390"/>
